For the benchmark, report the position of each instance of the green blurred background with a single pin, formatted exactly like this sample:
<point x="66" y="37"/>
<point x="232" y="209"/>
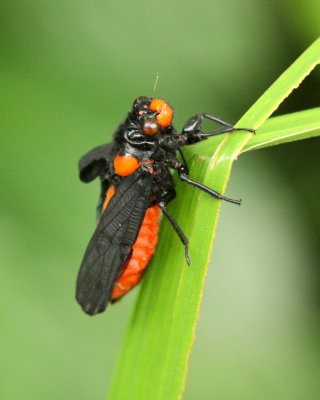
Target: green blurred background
<point x="69" y="72"/>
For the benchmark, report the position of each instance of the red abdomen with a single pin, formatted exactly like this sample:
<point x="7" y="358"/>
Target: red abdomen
<point x="142" y="250"/>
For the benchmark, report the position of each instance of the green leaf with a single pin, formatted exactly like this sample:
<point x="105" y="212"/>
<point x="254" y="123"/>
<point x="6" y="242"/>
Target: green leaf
<point x="286" y="128"/>
<point x="154" y="358"/>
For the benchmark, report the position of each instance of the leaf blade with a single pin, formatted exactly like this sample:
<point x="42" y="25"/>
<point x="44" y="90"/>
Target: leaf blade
<point x="286" y="128"/>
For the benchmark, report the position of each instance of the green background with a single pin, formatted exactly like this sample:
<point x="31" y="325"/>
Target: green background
<point x="69" y="72"/>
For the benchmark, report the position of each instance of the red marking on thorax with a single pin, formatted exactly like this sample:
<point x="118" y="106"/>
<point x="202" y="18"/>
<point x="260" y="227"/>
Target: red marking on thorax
<point x="125" y="165"/>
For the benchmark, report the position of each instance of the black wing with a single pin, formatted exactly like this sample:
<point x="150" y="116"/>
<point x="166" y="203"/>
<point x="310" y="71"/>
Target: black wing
<point x="95" y="162"/>
<point x="112" y="241"/>
<point x="98" y="162"/>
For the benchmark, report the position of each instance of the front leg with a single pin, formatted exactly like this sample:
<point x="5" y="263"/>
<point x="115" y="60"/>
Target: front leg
<point x="192" y="130"/>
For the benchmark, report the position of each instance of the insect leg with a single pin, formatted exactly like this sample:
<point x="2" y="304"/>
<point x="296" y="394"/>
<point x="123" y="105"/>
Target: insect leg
<point x="185" y="164"/>
<point x="193" y="132"/>
<point x="177" y="228"/>
<point x="169" y="196"/>
<point x="194" y="123"/>
<point x="203" y="135"/>
<point x="184" y="177"/>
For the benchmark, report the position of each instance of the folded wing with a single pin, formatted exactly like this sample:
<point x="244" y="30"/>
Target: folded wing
<point x="111" y="244"/>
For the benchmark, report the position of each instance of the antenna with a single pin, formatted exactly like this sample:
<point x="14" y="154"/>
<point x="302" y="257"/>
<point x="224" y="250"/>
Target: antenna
<point x="155" y="85"/>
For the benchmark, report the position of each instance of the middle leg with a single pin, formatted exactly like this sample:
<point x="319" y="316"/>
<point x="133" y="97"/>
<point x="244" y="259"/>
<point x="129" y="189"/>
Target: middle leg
<point x="183" y="175"/>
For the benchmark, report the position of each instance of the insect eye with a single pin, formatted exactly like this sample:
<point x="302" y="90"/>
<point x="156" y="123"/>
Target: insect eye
<point x="150" y="127"/>
<point x="164" y="112"/>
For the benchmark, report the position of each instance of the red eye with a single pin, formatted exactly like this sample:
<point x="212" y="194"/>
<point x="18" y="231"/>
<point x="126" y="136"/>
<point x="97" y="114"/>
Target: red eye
<point x="150" y="127"/>
<point x="165" y="112"/>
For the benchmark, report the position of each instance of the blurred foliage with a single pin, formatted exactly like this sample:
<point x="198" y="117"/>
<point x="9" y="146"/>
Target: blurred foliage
<point x="69" y="72"/>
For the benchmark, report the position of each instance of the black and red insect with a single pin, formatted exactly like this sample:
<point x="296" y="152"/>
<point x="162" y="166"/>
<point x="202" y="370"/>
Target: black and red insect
<point x="136" y="185"/>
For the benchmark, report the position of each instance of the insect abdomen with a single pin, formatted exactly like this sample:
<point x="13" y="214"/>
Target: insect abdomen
<point x="143" y="250"/>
